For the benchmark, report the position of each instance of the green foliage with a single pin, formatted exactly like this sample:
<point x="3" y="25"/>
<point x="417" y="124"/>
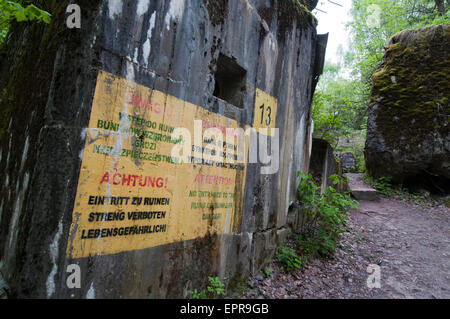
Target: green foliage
<point x="266" y="270"/>
<point x="324" y="215"/>
<point x="198" y="294"/>
<point x="355" y="144"/>
<point x="338" y="109"/>
<point x="386" y="188"/>
<point x="19" y="11"/>
<point x="288" y="258"/>
<point x="341" y="98"/>
<point x="215" y="289"/>
<point x="383" y="185"/>
<point x="368" y="39"/>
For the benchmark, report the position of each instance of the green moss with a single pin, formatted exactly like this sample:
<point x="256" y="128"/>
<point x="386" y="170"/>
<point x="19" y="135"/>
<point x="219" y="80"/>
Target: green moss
<point x="412" y="86"/>
<point x="237" y="284"/>
<point x="294" y="11"/>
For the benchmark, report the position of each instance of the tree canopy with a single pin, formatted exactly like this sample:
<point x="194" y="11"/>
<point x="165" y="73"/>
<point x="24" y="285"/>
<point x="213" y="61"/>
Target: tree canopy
<point x="375" y="21"/>
<point x="341" y="99"/>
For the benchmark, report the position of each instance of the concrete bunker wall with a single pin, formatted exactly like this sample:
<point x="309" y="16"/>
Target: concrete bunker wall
<point x="180" y="50"/>
<point x="322" y="163"/>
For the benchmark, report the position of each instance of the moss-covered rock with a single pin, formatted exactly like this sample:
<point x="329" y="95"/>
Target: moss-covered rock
<point x="408" y="124"/>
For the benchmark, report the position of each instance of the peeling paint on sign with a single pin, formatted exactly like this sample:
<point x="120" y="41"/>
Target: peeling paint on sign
<point x="132" y="194"/>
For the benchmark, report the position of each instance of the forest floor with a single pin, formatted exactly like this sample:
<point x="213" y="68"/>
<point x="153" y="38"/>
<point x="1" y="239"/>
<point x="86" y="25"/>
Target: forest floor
<point x="410" y="243"/>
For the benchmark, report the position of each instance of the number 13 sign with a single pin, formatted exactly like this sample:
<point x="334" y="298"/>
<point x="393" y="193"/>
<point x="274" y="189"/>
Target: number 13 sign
<point x="265" y="112"/>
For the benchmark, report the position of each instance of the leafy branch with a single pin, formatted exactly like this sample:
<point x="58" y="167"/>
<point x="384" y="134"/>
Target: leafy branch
<point x="19" y="11"/>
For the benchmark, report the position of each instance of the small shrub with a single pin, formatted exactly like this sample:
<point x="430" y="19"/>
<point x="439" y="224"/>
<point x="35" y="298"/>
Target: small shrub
<point x="288" y="258"/>
<point x="383" y="185"/>
<point x="324" y="215"/>
<point x="267" y="272"/>
<point x="198" y="294"/>
<point x="387" y="189"/>
<point x="215" y="289"/>
<point x="216" y="286"/>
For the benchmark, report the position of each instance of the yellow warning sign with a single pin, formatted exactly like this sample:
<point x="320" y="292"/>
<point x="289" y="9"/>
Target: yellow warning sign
<point x="133" y="192"/>
<point x="265" y="112"/>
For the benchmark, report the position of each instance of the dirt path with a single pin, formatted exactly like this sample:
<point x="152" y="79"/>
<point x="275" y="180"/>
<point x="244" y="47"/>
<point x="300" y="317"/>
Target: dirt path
<point x="411" y="244"/>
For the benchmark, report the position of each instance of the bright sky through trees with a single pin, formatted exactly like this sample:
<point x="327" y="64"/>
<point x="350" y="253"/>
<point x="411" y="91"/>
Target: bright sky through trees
<point x="333" y="22"/>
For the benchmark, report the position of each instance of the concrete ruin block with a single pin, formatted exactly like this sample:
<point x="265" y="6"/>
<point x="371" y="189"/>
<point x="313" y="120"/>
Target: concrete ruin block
<point x="87" y="117"/>
<point x="322" y="163"/>
<point x="282" y="235"/>
<point x="264" y="245"/>
<point x="360" y="189"/>
<point x="348" y="162"/>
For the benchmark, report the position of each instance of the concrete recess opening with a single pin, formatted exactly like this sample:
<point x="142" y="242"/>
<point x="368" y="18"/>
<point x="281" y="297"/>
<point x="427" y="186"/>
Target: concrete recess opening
<point x="230" y="80"/>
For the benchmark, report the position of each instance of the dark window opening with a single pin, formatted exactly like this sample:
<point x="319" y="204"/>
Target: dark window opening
<point x="230" y="81"/>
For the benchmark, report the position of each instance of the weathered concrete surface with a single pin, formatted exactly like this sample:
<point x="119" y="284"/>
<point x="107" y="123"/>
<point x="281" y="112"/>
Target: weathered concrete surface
<point x="47" y="82"/>
<point x="408" y="134"/>
<point x="322" y="163"/>
<point x="360" y="189"/>
<point x="348" y="162"/>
